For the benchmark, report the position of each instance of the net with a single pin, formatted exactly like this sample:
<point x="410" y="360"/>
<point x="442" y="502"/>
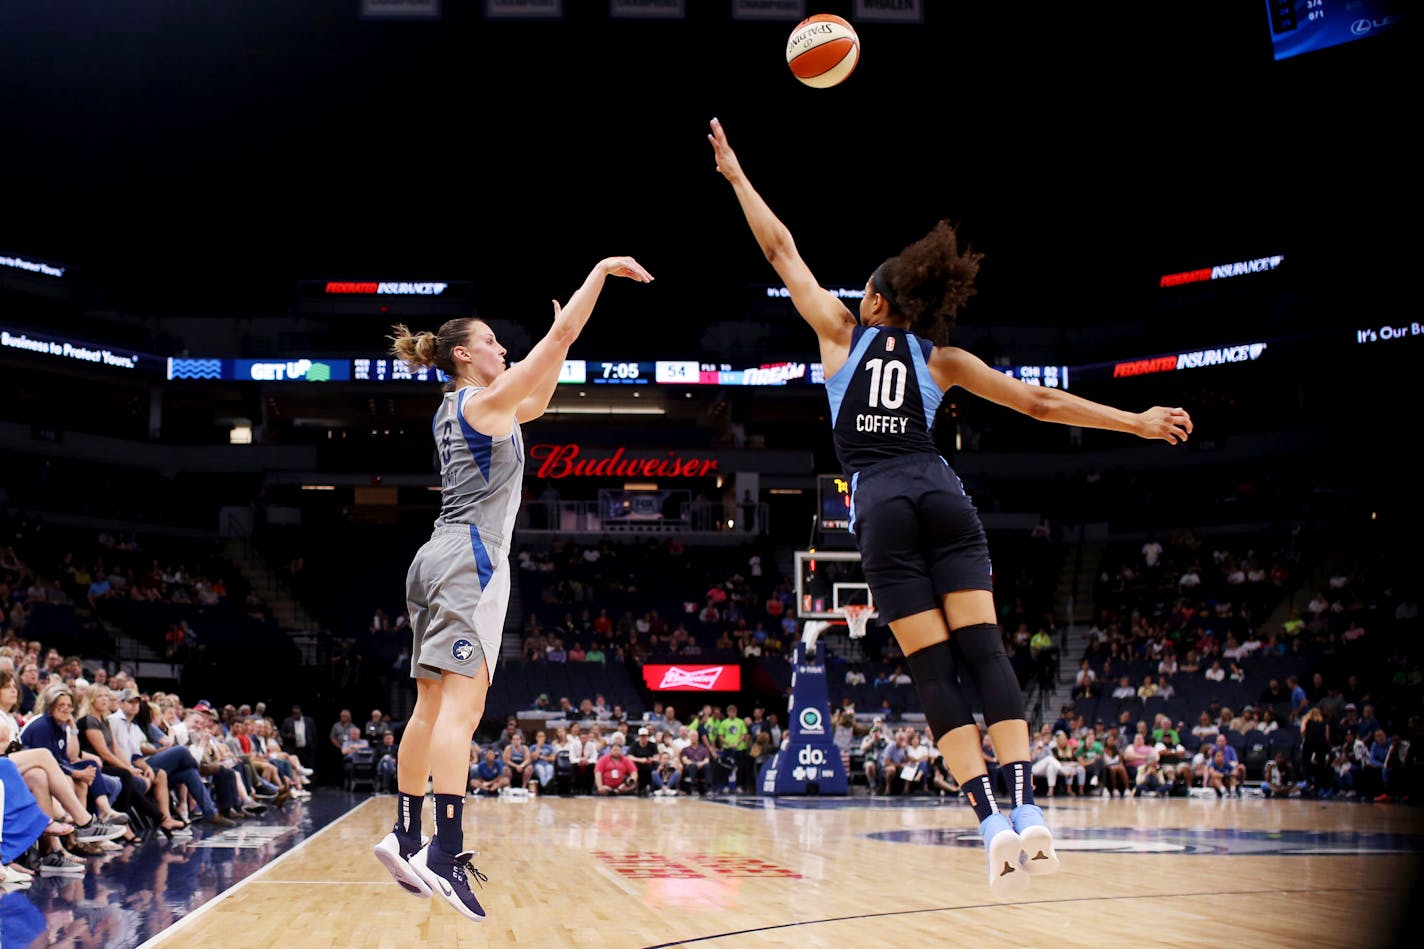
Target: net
<point x="857" y="615"/>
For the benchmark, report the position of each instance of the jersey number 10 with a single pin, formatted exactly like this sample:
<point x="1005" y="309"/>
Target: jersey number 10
<point x="887" y="383"/>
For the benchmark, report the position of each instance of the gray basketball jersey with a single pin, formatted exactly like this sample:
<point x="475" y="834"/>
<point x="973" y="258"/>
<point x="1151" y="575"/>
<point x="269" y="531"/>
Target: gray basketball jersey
<point x="481" y="478"/>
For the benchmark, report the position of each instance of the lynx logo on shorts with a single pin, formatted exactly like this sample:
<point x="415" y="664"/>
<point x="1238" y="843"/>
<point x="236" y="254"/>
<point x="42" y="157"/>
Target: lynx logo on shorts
<point x="462" y="650"/>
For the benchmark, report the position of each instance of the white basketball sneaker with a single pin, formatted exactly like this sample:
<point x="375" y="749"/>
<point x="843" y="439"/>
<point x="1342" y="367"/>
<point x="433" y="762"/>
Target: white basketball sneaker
<point x="397" y="863"/>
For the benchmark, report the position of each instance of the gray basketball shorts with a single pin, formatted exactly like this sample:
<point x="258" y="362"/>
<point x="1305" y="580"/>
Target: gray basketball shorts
<point x="457" y="596"/>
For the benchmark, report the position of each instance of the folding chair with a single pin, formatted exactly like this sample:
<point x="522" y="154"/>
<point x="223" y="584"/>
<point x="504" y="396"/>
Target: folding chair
<point x="361" y="769"/>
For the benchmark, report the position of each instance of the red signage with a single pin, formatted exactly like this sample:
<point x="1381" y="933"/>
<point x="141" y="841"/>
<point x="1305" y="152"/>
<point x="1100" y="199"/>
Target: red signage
<point x="685" y="678"/>
<point x="400" y="288"/>
<point x="568" y="461"/>
<point x="1220" y="356"/>
<point x="1143" y="367"/>
<point x="1222" y="271"/>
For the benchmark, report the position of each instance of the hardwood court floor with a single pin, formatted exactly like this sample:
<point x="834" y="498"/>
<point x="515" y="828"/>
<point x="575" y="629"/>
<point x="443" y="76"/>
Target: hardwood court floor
<point x="846" y="873"/>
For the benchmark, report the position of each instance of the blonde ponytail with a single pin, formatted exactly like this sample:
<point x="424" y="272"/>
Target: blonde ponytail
<point x="413" y="349"/>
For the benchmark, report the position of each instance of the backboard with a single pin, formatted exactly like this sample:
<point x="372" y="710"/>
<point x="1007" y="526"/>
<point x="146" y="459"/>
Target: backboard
<point x="827" y="580"/>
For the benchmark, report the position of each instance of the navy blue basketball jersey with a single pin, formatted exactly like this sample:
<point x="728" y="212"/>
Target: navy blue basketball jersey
<point x="883" y="400"/>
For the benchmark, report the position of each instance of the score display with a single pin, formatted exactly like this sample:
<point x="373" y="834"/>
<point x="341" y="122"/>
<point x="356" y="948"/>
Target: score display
<point x="670" y="372"/>
<point x="383" y="370"/>
<point x="622" y="373"/>
<point x="688" y="372"/>
<point x="834" y="497"/>
<point x="1050" y="377"/>
<point x="1305" y="26"/>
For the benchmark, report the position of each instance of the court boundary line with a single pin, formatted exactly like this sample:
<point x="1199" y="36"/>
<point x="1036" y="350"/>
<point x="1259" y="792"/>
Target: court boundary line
<point x="1049" y="902"/>
<point x="218" y="898"/>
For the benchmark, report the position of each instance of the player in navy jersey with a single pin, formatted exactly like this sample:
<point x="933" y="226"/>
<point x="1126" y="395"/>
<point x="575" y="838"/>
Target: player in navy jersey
<point x="921" y="542"/>
<point x="457" y="587"/>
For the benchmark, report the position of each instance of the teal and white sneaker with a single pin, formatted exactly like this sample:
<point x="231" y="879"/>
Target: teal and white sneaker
<point x="1007" y="878"/>
<point x="1038" y="855"/>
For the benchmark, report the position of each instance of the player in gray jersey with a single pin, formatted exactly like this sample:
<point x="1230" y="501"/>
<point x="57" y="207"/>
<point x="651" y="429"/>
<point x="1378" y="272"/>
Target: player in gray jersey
<point x="457" y="587"/>
<point x="921" y="541"/>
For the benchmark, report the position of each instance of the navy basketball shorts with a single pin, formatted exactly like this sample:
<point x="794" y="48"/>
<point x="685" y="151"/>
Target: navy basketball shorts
<point x="919" y="535"/>
<point x="457" y="596"/>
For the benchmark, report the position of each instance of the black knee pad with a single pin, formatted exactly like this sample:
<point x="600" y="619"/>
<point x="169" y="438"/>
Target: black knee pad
<point x="982" y="647"/>
<point x="937" y="682"/>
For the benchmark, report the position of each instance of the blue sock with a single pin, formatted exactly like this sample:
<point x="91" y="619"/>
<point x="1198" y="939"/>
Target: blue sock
<point x="449" y="826"/>
<point x="1019" y="774"/>
<point x="408" y="816"/>
<point x="980" y="794"/>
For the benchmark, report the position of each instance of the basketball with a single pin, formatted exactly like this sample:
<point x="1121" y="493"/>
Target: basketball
<point x="822" y="50"/>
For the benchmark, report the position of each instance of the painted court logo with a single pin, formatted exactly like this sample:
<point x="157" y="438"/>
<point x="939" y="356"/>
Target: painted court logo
<point x="462" y="650"/>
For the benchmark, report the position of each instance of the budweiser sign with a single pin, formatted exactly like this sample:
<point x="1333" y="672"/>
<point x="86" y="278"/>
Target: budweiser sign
<point x="569" y="461"/>
<point x="682" y="678"/>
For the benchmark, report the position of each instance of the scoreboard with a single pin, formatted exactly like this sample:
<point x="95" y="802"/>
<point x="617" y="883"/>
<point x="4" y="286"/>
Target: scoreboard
<point x="689" y="372"/>
<point x="1305" y="26"/>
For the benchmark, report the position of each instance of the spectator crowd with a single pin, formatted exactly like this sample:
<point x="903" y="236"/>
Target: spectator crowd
<point x="94" y="762"/>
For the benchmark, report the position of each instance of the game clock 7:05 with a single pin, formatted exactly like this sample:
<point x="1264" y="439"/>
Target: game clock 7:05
<point x="626" y="373"/>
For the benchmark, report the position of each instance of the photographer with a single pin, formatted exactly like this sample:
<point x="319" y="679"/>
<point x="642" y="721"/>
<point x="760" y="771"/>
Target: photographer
<point x="1279" y="780"/>
<point x="665" y="776"/>
<point x="1150" y="779"/>
<point x="872" y="750"/>
<point x="843" y="727"/>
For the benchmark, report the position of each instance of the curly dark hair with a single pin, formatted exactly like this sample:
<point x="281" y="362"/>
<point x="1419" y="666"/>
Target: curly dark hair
<point x="929" y="281"/>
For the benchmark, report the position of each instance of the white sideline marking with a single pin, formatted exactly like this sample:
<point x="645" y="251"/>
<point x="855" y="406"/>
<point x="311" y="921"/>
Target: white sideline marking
<point x="157" y="937"/>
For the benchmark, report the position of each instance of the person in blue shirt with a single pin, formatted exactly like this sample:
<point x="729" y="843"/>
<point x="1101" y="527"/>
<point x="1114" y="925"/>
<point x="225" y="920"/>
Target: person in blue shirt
<point x="1064" y="721"/>
<point x="53" y="730"/>
<point x="1379" y="757"/>
<point x="1368" y="724"/>
<point x="1379" y="748"/>
<point x="1233" y="761"/>
<point x="544" y="756"/>
<point x="1299" y="701"/>
<point x="99" y="589"/>
<point x="490" y="775"/>
<point x="1222" y="775"/>
<point x="893" y="759"/>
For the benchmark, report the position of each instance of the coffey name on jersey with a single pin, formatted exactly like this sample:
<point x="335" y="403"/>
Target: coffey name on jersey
<point x="883" y="400"/>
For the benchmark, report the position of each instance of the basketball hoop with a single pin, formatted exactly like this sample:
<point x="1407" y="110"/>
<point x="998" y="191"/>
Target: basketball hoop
<point x="857" y="615"/>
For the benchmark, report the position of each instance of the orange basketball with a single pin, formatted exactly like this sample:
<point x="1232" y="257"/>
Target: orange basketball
<point x="823" y="50"/>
